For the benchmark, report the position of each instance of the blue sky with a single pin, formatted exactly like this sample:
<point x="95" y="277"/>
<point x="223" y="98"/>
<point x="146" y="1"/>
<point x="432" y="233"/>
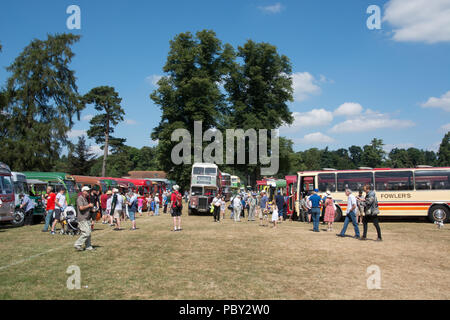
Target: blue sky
<point x="351" y="83"/>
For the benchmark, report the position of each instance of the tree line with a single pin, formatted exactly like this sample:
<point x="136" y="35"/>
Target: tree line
<point x="248" y="87"/>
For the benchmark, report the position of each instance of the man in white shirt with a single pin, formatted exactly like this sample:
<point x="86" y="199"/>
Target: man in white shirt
<point x="60" y="206"/>
<point x="237" y="208"/>
<point x="216" y="202"/>
<point x="351" y="215"/>
<point x="117" y="207"/>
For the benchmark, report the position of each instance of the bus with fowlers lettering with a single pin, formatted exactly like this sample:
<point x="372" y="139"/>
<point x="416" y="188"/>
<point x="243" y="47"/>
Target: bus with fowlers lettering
<point x="205" y="185"/>
<point x="409" y="192"/>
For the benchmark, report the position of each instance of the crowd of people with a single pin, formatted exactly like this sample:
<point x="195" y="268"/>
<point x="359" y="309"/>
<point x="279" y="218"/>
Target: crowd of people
<point x="116" y="206"/>
<point x="112" y="207"/>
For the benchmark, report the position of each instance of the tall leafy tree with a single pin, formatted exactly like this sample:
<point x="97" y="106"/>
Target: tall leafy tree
<point x="80" y="158"/>
<point x="190" y="91"/>
<point x="41" y="101"/>
<point x="444" y="151"/>
<point x="373" y="155"/>
<point x="259" y="90"/>
<point x="107" y="101"/>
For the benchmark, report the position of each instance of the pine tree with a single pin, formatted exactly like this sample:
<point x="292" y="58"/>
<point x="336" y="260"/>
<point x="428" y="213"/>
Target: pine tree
<point x="41" y="100"/>
<point x="107" y="101"/>
<point x="444" y="151"/>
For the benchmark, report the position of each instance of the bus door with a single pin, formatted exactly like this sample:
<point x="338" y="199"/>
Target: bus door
<point x="307" y="184"/>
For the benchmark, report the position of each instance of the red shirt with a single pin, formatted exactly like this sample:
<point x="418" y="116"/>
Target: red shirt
<point x="103" y="200"/>
<point x="173" y="198"/>
<point x="51" y="199"/>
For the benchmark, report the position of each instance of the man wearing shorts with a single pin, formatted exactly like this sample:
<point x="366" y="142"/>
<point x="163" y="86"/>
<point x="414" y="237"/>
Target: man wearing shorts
<point x="117" y="207"/>
<point x="176" y="206"/>
<point x="103" y="204"/>
<point x="60" y="206"/>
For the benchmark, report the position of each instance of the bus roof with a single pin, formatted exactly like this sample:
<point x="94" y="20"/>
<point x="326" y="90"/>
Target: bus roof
<point x="4" y="168"/>
<point x="204" y="165"/>
<point x="375" y="169"/>
<point x="47" y="175"/>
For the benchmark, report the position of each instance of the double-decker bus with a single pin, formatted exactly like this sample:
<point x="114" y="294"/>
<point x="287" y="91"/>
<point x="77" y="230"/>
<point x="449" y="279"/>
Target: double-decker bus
<point x="58" y="180"/>
<point x="226" y="185"/>
<point x="6" y="194"/>
<point x="205" y="184"/>
<point x="408" y="192"/>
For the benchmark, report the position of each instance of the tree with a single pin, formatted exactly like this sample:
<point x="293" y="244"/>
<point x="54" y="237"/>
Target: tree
<point x="258" y="91"/>
<point x="373" y="154"/>
<point x="190" y="91"/>
<point x="106" y="100"/>
<point x="356" y="155"/>
<point x="444" y="151"/>
<point x="80" y="158"/>
<point x="41" y="100"/>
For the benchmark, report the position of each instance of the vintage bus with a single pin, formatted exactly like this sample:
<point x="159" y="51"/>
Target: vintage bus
<point x="291" y="192"/>
<point x="58" y="180"/>
<point x="103" y="184"/>
<point x="205" y="185"/>
<point x="21" y="186"/>
<point x="409" y="192"/>
<point x="7" y="207"/>
<point x="226" y="186"/>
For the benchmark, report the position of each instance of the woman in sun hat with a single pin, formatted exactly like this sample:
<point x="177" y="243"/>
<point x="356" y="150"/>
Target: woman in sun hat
<point x="330" y="211"/>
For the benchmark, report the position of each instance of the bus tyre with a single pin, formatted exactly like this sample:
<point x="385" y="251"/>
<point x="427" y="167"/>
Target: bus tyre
<point x="338" y="215"/>
<point x="19" y="218"/>
<point x="439" y="213"/>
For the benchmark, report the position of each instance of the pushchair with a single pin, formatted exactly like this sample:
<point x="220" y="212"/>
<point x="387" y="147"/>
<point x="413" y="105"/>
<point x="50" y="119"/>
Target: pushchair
<point x="69" y="218"/>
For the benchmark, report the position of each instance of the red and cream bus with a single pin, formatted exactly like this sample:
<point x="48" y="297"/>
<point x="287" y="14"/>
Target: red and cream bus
<point x="291" y="192"/>
<point x="421" y="191"/>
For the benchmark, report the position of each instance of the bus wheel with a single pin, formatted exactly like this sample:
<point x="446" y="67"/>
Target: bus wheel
<point x="19" y="218"/>
<point x="438" y="213"/>
<point x="338" y="215"/>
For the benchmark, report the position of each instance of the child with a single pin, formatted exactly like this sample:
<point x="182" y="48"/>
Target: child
<point x="274" y="215"/>
<point x="222" y="207"/>
<point x="140" y="204"/>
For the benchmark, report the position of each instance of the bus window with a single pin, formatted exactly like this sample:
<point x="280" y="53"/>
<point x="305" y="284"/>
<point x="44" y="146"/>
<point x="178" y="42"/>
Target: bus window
<point x="432" y="180"/>
<point x="354" y="180"/>
<point x="70" y="186"/>
<point x="7" y="186"/>
<point x="307" y="184"/>
<point x="199" y="170"/>
<point x="196" y="191"/>
<point x="210" y="171"/>
<point x="394" y="181"/>
<point x="327" y="182"/>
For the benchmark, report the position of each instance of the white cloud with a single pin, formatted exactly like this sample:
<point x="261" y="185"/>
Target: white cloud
<point x="419" y="20"/>
<point x="87" y="117"/>
<point x="304" y="85"/>
<point x="446" y="127"/>
<point x="153" y="79"/>
<point x="130" y="122"/>
<point x="275" y="8"/>
<point x="313" y="118"/>
<point x="348" y="109"/>
<point x="97" y="150"/>
<point x="315" y="138"/>
<point x="443" y="102"/>
<point x="75" y="133"/>
<point x="369" y="121"/>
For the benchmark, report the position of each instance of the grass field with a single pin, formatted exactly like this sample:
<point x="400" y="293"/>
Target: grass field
<point x="227" y="260"/>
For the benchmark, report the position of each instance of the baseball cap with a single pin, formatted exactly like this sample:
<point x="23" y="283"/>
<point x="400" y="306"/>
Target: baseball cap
<point x="85" y="188"/>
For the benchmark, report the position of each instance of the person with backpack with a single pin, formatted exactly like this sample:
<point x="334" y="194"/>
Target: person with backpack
<point x="116" y="207"/>
<point x="176" y="204"/>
